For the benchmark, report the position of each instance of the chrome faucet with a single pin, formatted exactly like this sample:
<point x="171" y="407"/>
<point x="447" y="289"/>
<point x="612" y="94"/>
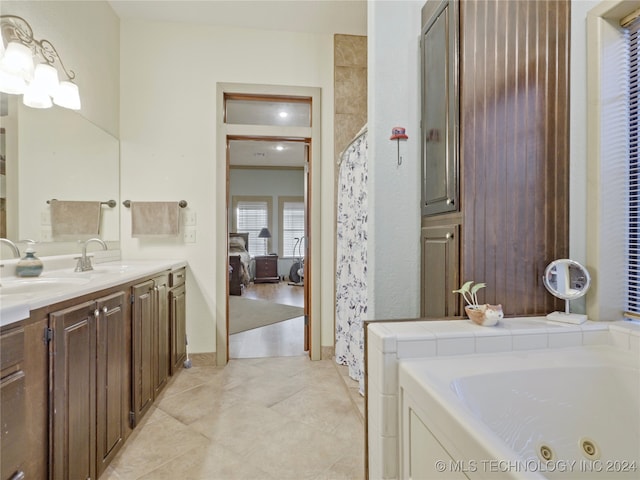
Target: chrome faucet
<point x="84" y="262"/>
<point x="14" y="248"/>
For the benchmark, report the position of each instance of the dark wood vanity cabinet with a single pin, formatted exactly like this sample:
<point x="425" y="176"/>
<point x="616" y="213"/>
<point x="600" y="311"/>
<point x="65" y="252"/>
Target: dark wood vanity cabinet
<point x="89" y="386"/>
<point x="495" y="131"/>
<point x="150" y="343"/>
<point x="76" y="375"/>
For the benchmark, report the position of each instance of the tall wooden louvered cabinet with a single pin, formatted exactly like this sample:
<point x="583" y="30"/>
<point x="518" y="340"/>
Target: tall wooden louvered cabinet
<point x="495" y="149"/>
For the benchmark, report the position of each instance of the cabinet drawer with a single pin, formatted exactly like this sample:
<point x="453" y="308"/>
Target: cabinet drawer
<point x="11" y="348"/>
<point x="177" y="277"/>
<point x="12" y="401"/>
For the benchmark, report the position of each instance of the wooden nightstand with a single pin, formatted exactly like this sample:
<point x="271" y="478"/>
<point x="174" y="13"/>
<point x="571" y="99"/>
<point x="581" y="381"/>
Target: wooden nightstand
<point x="267" y="269"/>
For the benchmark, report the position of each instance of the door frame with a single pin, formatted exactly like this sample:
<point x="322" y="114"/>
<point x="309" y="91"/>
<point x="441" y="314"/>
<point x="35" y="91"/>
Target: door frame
<point x="312" y="274"/>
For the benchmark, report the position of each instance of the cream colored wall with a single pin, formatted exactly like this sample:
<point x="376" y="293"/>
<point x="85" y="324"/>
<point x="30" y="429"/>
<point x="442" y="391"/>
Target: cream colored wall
<point x="168" y="139"/>
<point x="86" y="35"/>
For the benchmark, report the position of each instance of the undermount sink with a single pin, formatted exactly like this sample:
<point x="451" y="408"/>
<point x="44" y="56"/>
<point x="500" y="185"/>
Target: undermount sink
<point x="38" y="285"/>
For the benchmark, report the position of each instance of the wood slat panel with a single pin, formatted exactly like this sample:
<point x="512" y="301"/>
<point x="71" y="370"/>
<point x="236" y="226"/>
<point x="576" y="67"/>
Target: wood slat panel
<point x="514" y="99"/>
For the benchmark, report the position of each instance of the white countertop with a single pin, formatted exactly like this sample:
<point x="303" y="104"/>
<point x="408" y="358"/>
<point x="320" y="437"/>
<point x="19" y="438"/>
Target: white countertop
<point x="59" y="282"/>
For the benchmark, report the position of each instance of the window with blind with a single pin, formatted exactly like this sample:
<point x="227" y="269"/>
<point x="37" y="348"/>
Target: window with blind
<point x="633" y="245"/>
<point x="251" y="216"/>
<point x="292" y="226"/>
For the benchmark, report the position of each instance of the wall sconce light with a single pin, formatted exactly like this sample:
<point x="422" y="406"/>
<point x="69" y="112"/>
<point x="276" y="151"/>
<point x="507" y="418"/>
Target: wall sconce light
<point x="28" y="68"/>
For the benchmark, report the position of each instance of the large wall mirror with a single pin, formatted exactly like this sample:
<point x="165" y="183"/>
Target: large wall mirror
<point x="56" y="154"/>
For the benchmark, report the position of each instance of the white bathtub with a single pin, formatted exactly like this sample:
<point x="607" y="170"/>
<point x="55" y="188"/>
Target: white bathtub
<point x="502" y="415"/>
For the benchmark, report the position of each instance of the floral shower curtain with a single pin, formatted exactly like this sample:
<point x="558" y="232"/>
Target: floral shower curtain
<point x="351" y="257"/>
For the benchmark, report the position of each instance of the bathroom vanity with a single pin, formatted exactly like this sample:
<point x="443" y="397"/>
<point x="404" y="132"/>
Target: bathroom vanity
<point x="84" y="355"/>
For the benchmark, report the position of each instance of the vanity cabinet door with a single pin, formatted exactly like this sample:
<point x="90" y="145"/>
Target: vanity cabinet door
<point x="151" y="346"/>
<point x="440" y="267"/>
<point x="177" y="302"/>
<point x="439" y="124"/>
<point x="74" y="392"/>
<point x="161" y="333"/>
<point x="111" y="378"/>
<point x="142" y="348"/>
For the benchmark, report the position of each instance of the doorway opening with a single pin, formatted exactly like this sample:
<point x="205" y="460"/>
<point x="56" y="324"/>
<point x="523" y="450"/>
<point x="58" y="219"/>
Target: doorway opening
<point x="255" y="123"/>
<point x="268" y="212"/>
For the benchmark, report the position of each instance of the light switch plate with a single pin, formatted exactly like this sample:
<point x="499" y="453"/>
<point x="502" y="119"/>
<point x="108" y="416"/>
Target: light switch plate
<point x="189" y="235"/>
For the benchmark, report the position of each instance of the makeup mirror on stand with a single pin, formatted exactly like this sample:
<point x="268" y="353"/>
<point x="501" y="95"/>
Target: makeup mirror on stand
<point x="568" y="280"/>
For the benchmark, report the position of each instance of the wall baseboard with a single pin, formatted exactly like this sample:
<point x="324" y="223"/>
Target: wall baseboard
<point x="327" y="353"/>
<point x="207" y="359"/>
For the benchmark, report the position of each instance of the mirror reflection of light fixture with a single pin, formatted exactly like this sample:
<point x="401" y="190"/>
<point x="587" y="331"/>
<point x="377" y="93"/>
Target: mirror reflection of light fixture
<point x="28" y="67"/>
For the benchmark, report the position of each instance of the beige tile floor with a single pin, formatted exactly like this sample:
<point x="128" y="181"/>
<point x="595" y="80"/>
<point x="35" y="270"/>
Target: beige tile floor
<point x="261" y="418"/>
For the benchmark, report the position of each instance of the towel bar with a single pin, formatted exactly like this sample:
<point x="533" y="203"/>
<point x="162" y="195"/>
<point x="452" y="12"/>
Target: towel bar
<point x="110" y="203"/>
<point x="181" y="203"/>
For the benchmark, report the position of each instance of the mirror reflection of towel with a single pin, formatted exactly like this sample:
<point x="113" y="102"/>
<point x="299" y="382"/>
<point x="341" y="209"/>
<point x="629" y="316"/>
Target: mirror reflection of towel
<point x="73" y="220"/>
<point x="155" y="219"/>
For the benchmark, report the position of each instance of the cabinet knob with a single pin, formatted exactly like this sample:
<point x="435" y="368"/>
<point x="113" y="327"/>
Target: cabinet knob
<point x="96" y="313"/>
<point x="450" y="201"/>
<point x="449" y="236"/>
<point x="105" y="309"/>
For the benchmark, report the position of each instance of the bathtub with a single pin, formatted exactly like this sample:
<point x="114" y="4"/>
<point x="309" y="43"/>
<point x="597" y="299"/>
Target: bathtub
<point x="562" y="413"/>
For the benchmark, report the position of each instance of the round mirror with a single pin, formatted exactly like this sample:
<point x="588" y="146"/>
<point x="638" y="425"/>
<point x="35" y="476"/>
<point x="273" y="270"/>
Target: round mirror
<point x="566" y="279"/>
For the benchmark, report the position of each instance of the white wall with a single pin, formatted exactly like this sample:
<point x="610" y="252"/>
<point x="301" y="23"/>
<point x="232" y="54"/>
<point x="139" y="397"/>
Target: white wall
<point x="394" y="191"/>
<point x="168" y="107"/>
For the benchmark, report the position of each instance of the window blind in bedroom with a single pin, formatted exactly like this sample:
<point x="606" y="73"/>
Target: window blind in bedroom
<point x="251" y="217"/>
<point x="292" y="228"/>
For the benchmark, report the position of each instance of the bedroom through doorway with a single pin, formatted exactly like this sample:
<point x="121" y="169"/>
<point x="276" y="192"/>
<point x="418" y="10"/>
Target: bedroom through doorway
<point x="267" y="182"/>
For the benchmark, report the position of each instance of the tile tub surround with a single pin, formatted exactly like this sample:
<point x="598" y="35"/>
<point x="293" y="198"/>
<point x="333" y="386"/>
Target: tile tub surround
<point x="388" y="342"/>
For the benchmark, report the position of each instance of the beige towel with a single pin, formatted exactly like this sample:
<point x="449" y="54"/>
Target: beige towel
<point x="155" y="219"/>
<point x="71" y="220"/>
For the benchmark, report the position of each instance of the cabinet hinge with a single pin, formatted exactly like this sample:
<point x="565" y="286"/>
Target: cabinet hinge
<point x="132" y="419"/>
<point x="132" y="299"/>
<point x="48" y="335"/>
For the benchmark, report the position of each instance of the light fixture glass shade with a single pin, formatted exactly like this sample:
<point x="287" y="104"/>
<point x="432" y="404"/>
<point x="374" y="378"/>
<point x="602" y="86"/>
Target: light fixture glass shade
<point x="67" y="96"/>
<point x="12" y="83"/>
<point x="18" y="59"/>
<point x="35" y="97"/>
<point x="45" y="78"/>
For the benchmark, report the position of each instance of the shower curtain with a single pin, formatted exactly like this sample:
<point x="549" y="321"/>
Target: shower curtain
<point x="351" y="257"/>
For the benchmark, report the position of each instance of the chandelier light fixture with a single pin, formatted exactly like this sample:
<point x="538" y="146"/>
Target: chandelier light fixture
<point x="29" y="67"/>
